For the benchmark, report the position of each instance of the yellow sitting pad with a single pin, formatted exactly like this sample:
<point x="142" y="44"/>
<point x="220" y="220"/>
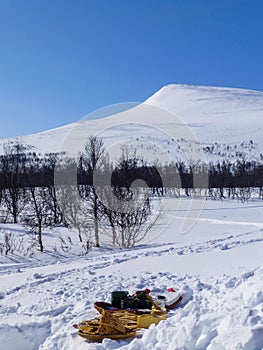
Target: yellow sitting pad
<point x="144" y="321"/>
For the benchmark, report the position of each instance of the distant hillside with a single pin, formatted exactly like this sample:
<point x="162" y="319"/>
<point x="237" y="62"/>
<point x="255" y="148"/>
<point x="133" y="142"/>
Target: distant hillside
<point x="228" y="123"/>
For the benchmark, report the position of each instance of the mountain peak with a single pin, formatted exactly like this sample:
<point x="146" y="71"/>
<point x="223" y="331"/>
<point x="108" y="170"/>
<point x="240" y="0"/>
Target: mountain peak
<point x="175" y="88"/>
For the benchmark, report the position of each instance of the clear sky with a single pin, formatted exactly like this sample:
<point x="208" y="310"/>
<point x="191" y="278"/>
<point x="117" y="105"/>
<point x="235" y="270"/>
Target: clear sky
<point x="62" y="59"/>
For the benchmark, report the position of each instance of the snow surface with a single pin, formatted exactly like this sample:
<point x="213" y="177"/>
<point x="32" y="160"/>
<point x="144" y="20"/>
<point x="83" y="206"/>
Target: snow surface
<point x="216" y="264"/>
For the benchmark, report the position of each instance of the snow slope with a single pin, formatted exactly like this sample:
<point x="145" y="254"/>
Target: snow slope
<point x="225" y="115"/>
<point x="226" y="118"/>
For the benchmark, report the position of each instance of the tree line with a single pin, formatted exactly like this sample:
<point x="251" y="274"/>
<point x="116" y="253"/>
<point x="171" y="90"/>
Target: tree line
<point x="29" y="193"/>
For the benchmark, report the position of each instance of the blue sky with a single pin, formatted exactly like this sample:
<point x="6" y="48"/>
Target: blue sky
<point x="62" y="59"/>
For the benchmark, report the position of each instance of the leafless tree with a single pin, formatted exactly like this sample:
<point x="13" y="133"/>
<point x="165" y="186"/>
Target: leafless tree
<point x="89" y="161"/>
<point x="13" y="164"/>
<point x="129" y="225"/>
<point x="39" y="216"/>
<point x="75" y="211"/>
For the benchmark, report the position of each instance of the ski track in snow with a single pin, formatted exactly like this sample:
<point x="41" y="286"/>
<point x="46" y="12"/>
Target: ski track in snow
<point x="40" y="304"/>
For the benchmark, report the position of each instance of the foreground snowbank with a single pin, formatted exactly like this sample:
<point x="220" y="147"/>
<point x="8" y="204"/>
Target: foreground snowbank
<point x="218" y="317"/>
<point x="24" y="334"/>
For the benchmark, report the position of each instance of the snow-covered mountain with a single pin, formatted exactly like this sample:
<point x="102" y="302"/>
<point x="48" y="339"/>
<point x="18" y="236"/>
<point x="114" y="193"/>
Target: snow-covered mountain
<point x="227" y="122"/>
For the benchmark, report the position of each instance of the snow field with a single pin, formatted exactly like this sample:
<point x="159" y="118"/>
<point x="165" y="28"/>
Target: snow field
<point x="217" y="266"/>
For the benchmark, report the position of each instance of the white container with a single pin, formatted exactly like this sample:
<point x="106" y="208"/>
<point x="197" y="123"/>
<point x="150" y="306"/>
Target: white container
<point x="161" y="301"/>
